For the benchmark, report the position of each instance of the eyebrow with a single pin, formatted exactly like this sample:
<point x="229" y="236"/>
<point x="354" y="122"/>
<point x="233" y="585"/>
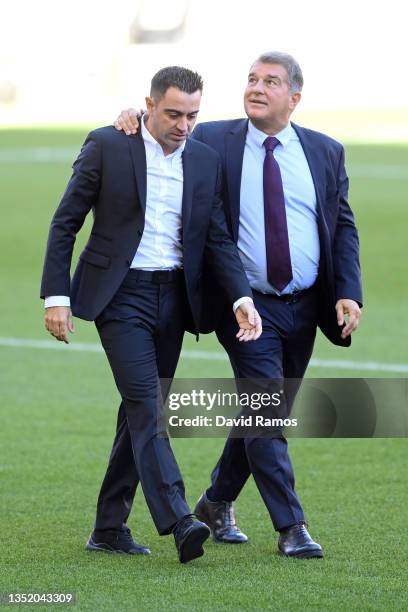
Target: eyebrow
<point x="173" y="110"/>
<point x="271" y="76"/>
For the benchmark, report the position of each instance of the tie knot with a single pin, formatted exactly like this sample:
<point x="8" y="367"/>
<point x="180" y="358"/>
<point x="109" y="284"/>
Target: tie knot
<point x="270" y="143"/>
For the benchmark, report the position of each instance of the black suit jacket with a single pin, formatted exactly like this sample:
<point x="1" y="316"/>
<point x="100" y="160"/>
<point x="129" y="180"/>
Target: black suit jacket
<point x="109" y="178"/>
<point x="339" y="269"/>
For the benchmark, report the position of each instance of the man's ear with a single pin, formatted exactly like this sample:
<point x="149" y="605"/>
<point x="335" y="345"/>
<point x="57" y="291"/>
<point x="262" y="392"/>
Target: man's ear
<point x="150" y="104"/>
<point x="294" y="100"/>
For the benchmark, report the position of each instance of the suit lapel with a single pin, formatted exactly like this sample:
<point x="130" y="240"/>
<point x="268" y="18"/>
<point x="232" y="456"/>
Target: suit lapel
<point x="138" y="153"/>
<point x="234" y="156"/>
<point x="188" y="184"/>
<point x="317" y="167"/>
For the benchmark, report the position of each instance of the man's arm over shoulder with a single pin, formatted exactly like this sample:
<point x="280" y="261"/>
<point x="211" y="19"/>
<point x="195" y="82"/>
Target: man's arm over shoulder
<point x="79" y="197"/>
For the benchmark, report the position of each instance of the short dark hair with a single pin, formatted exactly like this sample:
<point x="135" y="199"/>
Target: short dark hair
<point x="175" y="76"/>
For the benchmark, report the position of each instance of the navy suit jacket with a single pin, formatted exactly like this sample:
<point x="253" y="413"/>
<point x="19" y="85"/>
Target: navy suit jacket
<point x="109" y="178"/>
<point x="339" y="268"/>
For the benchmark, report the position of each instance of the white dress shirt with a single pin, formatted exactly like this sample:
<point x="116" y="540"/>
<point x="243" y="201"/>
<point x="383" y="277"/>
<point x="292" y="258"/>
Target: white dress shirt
<point x="300" y="205"/>
<point x="160" y="247"/>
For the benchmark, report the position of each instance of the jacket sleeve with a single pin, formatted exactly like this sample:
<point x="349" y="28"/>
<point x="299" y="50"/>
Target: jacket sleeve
<point x="222" y="253"/>
<point x="80" y="196"/>
<point x="346" y="258"/>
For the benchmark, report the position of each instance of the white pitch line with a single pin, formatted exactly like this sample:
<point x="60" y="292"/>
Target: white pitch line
<point x="83" y="347"/>
<point x="370" y="366"/>
<point x="53" y="345"/>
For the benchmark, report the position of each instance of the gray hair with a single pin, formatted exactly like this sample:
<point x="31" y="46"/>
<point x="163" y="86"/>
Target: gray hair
<point x="295" y="76"/>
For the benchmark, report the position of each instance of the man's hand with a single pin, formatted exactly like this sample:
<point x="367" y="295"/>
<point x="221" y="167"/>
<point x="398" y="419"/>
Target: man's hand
<point x="58" y="321"/>
<point x="249" y="321"/>
<point x="348" y="311"/>
<point x="128" y="120"/>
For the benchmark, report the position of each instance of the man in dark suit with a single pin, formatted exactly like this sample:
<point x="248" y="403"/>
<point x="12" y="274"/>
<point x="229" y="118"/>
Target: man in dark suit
<point x="157" y="214"/>
<point x="285" y="197"/>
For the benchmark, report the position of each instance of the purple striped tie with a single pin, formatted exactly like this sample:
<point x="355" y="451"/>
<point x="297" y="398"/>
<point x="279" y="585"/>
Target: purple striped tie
<point x="279" y="266"/>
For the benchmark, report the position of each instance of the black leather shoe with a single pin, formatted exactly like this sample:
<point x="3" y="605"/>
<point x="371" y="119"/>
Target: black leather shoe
<point x="189" y="536"/>
<point x="296" y="542"/>
<point x="220" y="518"/>
<point x="115" y="541"/>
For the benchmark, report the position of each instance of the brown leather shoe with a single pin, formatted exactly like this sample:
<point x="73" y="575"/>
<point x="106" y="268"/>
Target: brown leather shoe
<point x="220" y="517"/>
<point x="296" y="542"/>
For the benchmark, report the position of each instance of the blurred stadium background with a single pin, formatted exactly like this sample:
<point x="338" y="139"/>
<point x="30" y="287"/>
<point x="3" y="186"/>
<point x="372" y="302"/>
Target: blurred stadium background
<point x="66" y="68"/>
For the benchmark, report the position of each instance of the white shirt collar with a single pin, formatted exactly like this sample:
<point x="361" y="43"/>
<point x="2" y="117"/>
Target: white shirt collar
<point x="152" y="142"/>
<point x="258" y="137"/>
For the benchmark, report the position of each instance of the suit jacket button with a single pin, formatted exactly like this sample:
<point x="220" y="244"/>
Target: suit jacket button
<point x="128" y="261"/>
<point x="139" y="233"/>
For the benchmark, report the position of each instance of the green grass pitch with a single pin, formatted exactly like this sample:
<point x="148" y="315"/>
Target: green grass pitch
<point x="58" y="411"/>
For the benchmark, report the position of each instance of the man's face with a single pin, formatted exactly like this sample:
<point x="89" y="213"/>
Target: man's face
<point x="267" y="97"/>
<point x="172" y="117"/>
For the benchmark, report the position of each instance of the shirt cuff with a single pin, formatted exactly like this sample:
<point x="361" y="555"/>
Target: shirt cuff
<point x="57" y="300"/>
<point x="241" y="301"/>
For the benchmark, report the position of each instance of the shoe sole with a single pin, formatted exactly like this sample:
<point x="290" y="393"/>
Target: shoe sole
<point x="217" y="541"/>
<point x="307" y="554"/>
<point x="101" y="548"/>
<point x="105" y="548"/>
<point x="192" y="547"/>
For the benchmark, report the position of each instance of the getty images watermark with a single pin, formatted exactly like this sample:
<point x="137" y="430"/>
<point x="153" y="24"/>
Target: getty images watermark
<point x="247" y="402"/>
<point x="313" y="407"/>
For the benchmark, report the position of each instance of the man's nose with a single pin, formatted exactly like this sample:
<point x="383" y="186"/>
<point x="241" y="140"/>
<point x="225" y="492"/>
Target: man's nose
<point x="182" y="124"/>
<point x="258" y="86"/>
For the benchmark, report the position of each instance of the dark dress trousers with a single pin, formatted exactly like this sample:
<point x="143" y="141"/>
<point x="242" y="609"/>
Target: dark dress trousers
<point x="289" y="324"/>
<point x="141" y="317"/>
